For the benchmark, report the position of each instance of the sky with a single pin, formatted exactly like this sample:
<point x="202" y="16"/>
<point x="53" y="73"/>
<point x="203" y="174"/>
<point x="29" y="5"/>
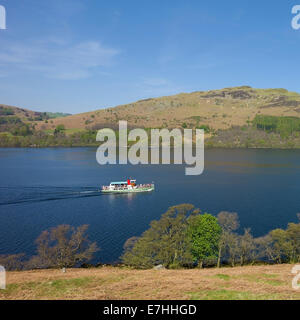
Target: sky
<point x="81" y="55"/>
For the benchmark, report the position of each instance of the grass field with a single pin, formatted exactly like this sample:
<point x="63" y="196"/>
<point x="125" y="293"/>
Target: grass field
<point x="240" y="283"/>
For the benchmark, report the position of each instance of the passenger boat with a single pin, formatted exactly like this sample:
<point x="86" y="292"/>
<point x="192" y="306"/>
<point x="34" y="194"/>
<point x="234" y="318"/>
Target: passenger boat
<point x="128" y="186"/>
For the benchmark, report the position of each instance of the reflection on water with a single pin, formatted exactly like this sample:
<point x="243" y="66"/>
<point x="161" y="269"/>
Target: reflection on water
<point x="41" y="188"/>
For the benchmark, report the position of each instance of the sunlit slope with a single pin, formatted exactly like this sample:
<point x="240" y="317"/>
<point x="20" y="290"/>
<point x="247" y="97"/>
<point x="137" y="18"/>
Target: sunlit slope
<point x="219" y="109"/>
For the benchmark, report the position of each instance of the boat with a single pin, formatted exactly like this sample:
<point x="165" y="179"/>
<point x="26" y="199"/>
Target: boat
<point x="129" y="186"/>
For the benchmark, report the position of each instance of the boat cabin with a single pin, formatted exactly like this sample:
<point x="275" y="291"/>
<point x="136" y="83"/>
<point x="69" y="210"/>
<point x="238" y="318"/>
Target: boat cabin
<point x="129" y="184"/>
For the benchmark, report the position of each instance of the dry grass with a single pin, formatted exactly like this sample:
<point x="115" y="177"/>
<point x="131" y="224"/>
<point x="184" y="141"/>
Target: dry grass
<point x="247" y="283"/>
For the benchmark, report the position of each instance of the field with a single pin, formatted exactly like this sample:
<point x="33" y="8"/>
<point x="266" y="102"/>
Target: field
<point x="240" y="283"/>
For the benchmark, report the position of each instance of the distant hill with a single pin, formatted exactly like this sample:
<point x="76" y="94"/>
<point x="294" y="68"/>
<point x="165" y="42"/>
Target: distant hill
<point x="218" y="109"/>
<point x="21" y="113"/>
<point x="29" y="115"/>
<point x="12" y="118"/>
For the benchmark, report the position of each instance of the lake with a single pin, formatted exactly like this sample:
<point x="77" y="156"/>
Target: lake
<point x="43" y="188"/>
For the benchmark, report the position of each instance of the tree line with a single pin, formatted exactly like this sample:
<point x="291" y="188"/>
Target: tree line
<point x="285" y="126"/>
<point x="184" y="237"/>
<point x="25" y="135"/>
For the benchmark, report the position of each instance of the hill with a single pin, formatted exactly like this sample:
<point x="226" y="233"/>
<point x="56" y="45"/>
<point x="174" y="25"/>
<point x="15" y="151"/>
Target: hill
<point x="218" y="109"/>
<point x="239" y="283"/>
<point x="28" y="115"/>
<point x="240" y="117"/>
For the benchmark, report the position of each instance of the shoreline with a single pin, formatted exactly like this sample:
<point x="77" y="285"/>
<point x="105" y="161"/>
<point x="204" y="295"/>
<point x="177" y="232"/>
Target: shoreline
<point x="96" y="146"/>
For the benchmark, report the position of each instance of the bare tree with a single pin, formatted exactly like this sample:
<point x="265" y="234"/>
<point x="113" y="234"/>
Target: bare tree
<point x="63" y="246"/>
<point x="265" y="248"/>
<point x="246" y="248"/>
<point x="229" y="222"/>
<point x="12" y="262"/>
<point x="232" y="247"/>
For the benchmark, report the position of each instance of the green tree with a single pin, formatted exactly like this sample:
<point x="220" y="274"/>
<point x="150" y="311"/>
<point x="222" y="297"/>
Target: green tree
<point x="281" y="245"/>
<point x="59" y="130"/>
<point x="23" y="130"/>
<point x="184" y="125"/>
<point x="165" y="242"/>
<point x="293" y="233"/>
<point x="204" y="233"/>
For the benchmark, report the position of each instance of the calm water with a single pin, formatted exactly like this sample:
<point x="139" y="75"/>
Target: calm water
<point x="43" y="188"/>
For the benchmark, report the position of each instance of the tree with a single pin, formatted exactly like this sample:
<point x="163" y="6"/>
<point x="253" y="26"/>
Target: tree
<point x="130" y="243"/>
<point x="264" y="248"/>
<point x="63" y="246"/>
<point x="59" y="130"/>
<point x="229" y="222"/>
<point x="293" y="233"/>
<point x="281" y="245"/>
<point x="204" y="233"/>
<point x="12" y="262"/>
<point x="232" y="247"/>
<point x="246" y="248"/>
<point x="165" y="242"/>
<point x="22" y="130"/>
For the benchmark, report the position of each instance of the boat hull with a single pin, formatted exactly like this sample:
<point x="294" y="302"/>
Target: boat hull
<point x="138" y="190"/>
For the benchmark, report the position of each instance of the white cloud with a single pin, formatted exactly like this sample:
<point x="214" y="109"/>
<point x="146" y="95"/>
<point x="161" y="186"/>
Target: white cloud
<point x="57" y="58"/>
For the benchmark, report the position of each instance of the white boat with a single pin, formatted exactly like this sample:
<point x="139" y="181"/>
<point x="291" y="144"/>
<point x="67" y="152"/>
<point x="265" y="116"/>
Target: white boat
<point x="129" y="186"/>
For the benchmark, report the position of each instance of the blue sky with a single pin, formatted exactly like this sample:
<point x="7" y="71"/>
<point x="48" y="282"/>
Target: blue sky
<point x="80" y="55"/>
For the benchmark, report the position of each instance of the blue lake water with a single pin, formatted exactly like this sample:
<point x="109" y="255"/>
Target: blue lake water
<point x="42" y="188"/>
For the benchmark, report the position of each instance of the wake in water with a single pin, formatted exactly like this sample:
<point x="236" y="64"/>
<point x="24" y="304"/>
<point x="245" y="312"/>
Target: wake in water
<point x="15" y="195"/>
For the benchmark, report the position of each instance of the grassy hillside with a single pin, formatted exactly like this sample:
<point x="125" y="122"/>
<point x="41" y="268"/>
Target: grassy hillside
<point x="12" y="118"/>
<point x="240" y="283"/>
<point x="231" y="117"/>
<point x="218" y="109"/>
<point x="26" y="115"/>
